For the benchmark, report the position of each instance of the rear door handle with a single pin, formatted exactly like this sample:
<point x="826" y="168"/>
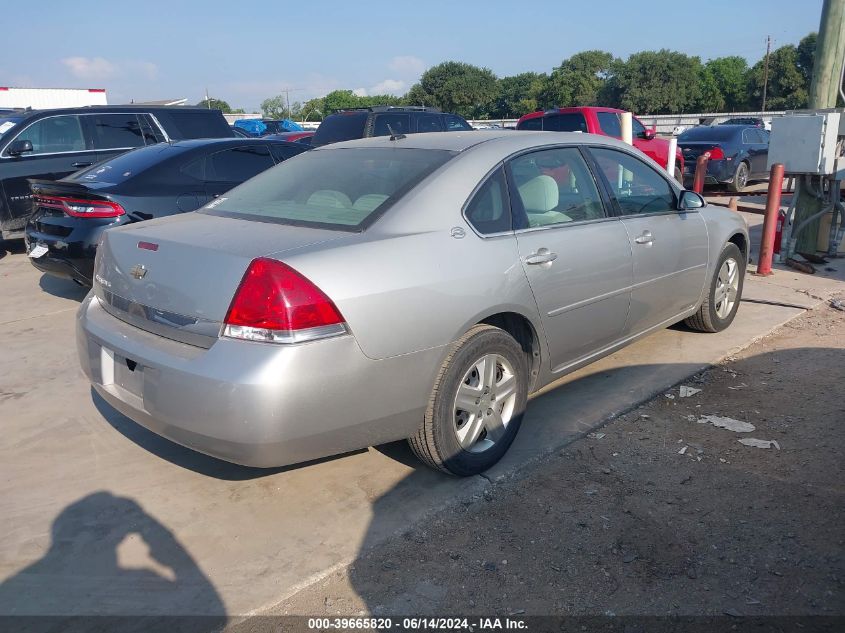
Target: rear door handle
<point x="645" y="238"/>
<point x="542" y="256"/>
<point x="82" y="164"/>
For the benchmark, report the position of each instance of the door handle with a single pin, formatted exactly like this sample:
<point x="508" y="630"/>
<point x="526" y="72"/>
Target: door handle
<point x="82" y="164"/>
<point x="645" y="238"/>
<point x="542" y="256"/>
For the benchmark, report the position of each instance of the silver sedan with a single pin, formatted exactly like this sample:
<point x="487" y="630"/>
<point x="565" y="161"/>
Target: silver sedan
<point x="412" y="287"/>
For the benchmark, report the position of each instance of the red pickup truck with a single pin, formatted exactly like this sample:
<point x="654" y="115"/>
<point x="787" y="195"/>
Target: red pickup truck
<point x="604" y="121"/>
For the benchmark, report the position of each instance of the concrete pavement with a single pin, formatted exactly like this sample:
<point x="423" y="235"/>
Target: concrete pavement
<point x="102" y="516"/>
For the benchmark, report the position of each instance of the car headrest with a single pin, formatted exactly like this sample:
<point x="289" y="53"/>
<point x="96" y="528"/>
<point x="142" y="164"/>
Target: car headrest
<point x="329" y="198"/>
<point x="539" y="195"/>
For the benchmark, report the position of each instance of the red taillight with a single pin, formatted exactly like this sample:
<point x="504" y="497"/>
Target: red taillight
<point x="716" y="153"/>
<point x="274" y="303"/>
<point x="77" y="208"/>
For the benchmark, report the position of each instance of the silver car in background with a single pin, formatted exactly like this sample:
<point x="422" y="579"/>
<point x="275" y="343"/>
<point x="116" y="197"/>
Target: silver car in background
<point x="396" y="287"/>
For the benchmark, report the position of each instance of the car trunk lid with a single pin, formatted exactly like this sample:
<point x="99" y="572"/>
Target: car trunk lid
<point x="176" y="276"/>
<point x="691" y="150"/>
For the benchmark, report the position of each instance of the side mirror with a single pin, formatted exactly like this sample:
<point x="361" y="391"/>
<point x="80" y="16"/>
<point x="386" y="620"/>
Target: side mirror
<point x="690" y="201"/>
<point x="16" y="148"/>
<point x="648" y="134"/>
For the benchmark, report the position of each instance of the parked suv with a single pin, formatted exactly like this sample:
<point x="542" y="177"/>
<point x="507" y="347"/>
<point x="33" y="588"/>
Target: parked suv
<point x="50" y="144"/>
<point x="604" y="121"/>
<point x="346" y="125"/>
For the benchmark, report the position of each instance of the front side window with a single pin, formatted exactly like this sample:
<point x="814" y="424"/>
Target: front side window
<point x="638" y="188"/>
<point x="55" y="134"/>
<point x="455" y="123"/>
<point x="117" y="131"/>
<point x="609" y="123"/>
<point x="489" y="209"/>
<point x="554" y="186"/>
<point x="332" y="188"/>
<point x="398" y="123"/>
<point x="637" y="128"/>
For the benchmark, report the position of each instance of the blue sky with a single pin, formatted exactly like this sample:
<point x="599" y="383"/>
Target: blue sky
<point x="244" y="52"/>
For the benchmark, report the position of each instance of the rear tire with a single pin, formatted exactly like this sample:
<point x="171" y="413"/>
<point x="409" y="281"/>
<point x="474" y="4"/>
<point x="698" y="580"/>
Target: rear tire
<point x="724" y="293"/>
<point x="740" y="179"/>
<point x="467" y="441"/>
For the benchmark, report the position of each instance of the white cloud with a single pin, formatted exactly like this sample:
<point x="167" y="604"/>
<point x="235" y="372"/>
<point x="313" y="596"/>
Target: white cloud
<point x="360" y="92"/>
<point x="389" y="87"/>
<point x="95" y="68"/>
<point x="407" y="65"/>
<point x="101" y="69"/>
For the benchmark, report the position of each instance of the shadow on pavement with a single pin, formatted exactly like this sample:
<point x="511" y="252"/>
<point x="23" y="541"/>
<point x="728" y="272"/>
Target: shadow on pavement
<point x="108" y="557"/>
<point x="63" y="288"/>
<point x="186" y="457"/>
<point x="11" y="247"/>
<point x="438" y="566"/>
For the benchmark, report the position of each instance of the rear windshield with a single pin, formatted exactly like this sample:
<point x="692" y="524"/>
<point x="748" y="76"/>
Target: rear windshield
<point x="186" y="124"/>
<point x="123" y="167"/>
<point x="340" y="127"/>
<point x="708" y="133"/>
<point x="566" y="122"/>
<point x="344" y="189"/>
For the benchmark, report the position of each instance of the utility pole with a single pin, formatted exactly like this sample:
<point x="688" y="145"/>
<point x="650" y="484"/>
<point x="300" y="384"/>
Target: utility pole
<point x="207" y="100"/>
<point x="766" y="70"/>
<point x="824" y="89"/>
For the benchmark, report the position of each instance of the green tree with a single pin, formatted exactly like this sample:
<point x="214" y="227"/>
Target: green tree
<point x="806" y="57"/>
<point x="787" y="87"/>
<point x="217" y="104"/>
<point x="578" y="81"/>
<point x="710" y="98"/>
<point x="655" y="82"/>
<point x="313" y="110"/>
<point x="729" y="74"/>
<point x="274" y="108"/>
<point x="456" y="87"/>
<point x="518" y="94"/>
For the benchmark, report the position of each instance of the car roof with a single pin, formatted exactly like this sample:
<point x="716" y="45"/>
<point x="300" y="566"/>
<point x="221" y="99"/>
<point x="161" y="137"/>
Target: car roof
<point x="568" y="110"/>
<point x="223" y="142"/>
<point x="509" y="141"/>
<point x="112" y="109"/>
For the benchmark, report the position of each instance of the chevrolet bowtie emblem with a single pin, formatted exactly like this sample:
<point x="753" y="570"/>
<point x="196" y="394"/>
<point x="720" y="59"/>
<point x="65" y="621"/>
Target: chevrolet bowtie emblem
<point x="138" y="271"/>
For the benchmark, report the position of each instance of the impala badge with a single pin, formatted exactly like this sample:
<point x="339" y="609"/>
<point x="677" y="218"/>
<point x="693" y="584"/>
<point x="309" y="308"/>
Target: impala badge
<point x="138" y="271"/>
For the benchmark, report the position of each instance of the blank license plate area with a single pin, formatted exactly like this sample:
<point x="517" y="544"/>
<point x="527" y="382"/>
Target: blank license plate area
<point x="122" y="372"/>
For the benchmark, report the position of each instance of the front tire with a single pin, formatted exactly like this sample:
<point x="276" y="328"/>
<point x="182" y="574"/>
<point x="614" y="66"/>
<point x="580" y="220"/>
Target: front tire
<point x="477" y="403"/>
<point x="719" y="307"/>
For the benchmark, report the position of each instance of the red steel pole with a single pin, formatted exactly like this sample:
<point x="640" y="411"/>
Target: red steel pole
<point x="770" y="220"/>
<point x="700" y="172"/>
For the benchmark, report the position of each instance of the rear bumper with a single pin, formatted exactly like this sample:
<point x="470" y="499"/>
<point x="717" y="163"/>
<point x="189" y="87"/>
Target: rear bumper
<point x="250" y="403"/>
<point x="71" y="256"/>
<point x="718" y="171"/>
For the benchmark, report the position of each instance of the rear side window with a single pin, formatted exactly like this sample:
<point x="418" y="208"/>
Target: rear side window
<point x="609" y="123"/>
<point x="489" y="209"/>
<point x="152" y="134"/>
<point x="55" y="134"/>
<point x="332" y="188"/>
<point x="531" y="124"/>
<point x="566" y="122"/>
<point x="238" y="164"/>
<point x="116" y="131"/>
<point x="455" y="123"/>
<point x="399" y="123"/>
<point x="343" y="126"/>
<point x="429" y="123"/>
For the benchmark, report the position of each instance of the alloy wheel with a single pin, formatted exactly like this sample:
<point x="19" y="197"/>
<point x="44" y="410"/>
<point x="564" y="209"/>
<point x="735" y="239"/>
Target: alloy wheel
<point x="727" y="288"/>
<point x="484" y="404"/>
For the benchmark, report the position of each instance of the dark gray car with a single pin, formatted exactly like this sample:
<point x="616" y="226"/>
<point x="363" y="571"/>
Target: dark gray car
<point x="738" y="153"/>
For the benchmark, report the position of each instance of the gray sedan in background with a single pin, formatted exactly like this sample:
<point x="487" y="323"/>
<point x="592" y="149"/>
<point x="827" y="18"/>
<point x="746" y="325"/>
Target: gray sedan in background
<point x="397" y="287"/>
